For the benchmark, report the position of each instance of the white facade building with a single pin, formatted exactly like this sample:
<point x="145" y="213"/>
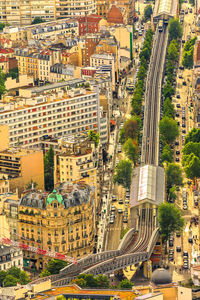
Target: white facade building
<point x="10" y="257"/>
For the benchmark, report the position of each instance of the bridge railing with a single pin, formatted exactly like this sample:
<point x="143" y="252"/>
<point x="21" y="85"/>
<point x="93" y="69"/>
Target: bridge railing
<point x="126" y="239"/>
<point x="89" y="261"/>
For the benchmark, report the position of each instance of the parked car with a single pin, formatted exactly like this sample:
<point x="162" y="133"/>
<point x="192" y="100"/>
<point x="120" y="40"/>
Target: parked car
<point x="120" y="201"/>
<point x="178" y="249"/>
<point x="112" y="208"/>
<point x="120" y="211"/>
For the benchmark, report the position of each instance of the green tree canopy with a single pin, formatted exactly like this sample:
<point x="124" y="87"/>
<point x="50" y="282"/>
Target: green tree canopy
<point x="45" y="273"/>
<point x="49" y="169"/>
<point x="10" y="281"/>
<point x="175" y="29"/>
<point x="148" y="12"/>
<point x="102" y="281"/>
<point x="2" y="25"/>
<point x="130" y="129"/>
<point x="193" y="136"/>
<point x="131" y="150"/>
<point x="2" y="277"/>
<point x="55" y="265"/>
<point x="89" y="279"/>
<point x="168" y="90"/>
<point x="192" y="147"/>
<point x="168" y="108"/>
<point x="169" y="130"/>
<point x="174" y="175"/>
<point x="173" y="50"/>
<point x="188" y="51"/>
<point x="37" y="20"/>
<point x="80" y="282"/>
<point x="172" y="193"/>
<point x="24" y="278"/>
<point x="14" y="271"/>
<point x="192" y="166"/>
<point x="123" y="173"/>
<point x="2" y="83"/>
<point x="167" y="154"/>
<point x="94" y="136"/>
<point x="126" y="284"/>
<point x="169" y="219"/>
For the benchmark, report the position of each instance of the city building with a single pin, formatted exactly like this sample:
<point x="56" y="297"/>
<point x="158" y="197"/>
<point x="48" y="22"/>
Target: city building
<point x="10" y="257"/>
<point x="10" y="203"/>
<point x="55" y="109"/>
<point x="89" y="24"/>
<point x="64" y="72"/>
<point x="76" y="8"/>
<point x="62" y="221"/>
<point x="77" y="159"/>
<point x="105" y="60"/>
<point x="22" y="166"/>
<point x="103" y="8"/>
<point x="53" y="29"/>
<point x="23" y="12"/>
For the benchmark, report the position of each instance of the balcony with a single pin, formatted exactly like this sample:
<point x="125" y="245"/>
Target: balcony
<point x="77" y="237"/>
<point x="63" y="242"/>
<point x="71" y="240"/>
<point x="49" y="243"/>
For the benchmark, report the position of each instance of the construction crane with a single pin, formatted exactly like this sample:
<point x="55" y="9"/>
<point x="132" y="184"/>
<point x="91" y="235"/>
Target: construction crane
<point x="9" y="242"/>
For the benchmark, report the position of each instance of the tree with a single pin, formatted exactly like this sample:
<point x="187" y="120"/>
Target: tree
<point x="55" y="265"/>
<point x="45" y="273"/>
<point x="168" y="130"/>
<point x="168" y="90"/>
<point x="192" y="166"/>
<point x="173" y="50"/>
<point x="175" y="29"/>
<point x="24" y="278"/>
<point x="2" y="83"/>
<point x="131" y="129"/>
<point x="123" y="173"/>
<point x="187" y="60"/>
<point x="94" y="136"/>
<point x="174" y="175"/>
<point x="169" y="219"/>
<point x="2" y="277"/>
<point x="14" y="271"/>
<point x="2" y="25"/>
<point x="126" y="284"/>
<point x="10" y="281"/>
<point x="80" y="282"/>
<point x="168" y="108"/>
<point x="102" y="281"/>
<point x="49" y="169"/>
<point x="31" y="184"/>
<point x="148" y="12"/>
<point x="89" y="278"/>
<point x="172" y="193"/>
<point x="193" y="136"/>
<point x="192" y="147"/>
<point x="167" y="154"/>
<point x="37" y="20"/>
<point x="131" y="150"/>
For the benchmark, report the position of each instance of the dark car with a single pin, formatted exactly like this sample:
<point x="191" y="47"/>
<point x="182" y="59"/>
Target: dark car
<point x="177" y="115"/>
<point x="183" y="131"/>
<point x="177" y="152"/>
<point x="177" y="159"/>
<point x="177" y="143"/>
<point x="184" y="83"/>
<point x="178" y="105"/>
<point x="178" y="249"/>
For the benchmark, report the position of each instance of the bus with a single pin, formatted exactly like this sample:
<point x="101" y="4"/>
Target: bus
<point x="160" y="26"/>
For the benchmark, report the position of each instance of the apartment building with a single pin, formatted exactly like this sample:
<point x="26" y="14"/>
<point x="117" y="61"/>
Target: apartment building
<point x="64" y="72"/>
<point x="10" y="210"/>
<point x="22" y="166"/>
<point x="66" y="8"/>
<point x="89" y="24"/>
<point x="60" y="222"/>
<point x="43" y="31"/>
<point x="22" y="12"/>
<point x="105" y="59"/>
<point x="76" y="159"/>
<point x="10" y="257"/>
<point x="55" y="109"/>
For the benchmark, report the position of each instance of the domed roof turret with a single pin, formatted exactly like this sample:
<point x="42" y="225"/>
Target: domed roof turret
<point x="161" y="276"/>
<point x="54" y="196"/>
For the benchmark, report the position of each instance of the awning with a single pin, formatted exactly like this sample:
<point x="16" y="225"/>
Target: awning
<point x="112" y="122"/>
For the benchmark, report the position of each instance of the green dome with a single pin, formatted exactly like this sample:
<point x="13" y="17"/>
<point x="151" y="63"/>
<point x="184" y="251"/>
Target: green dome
<point x="54" y="196"/>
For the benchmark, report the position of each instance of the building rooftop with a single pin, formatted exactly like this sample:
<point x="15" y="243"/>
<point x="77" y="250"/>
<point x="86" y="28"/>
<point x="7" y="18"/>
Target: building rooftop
<point x="18" y="151"/>
<point x="65" y="194"/>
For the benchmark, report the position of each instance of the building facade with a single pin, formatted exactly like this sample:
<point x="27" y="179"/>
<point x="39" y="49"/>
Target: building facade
<point x="62" y="221"/>
<point x="66" y="8"/>
<point x="22" y="166"/>
<point x="10" y="257"/>
<point x="57" y="113"/>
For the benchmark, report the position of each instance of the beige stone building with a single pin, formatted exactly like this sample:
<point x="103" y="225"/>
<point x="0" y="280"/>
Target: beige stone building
<point x="22" y="166"/>
<point x="77" y="159"/>
<point x="62" y="221"/>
